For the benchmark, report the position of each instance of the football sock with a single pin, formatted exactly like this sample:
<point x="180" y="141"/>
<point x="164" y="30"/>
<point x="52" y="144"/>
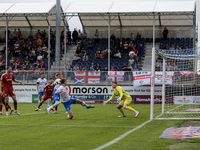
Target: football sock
<point x="6" y="106"/>
<point x="54" y="105"/>
<point x="39" y="104"/>
<point x="1" y="107"/>
<point x="84" y="104"/>
<point x="47" y="101"/>
<point x="121" y="111"/>
<point x="15" y="105"/>
<point x="9" y="107"/>
<point x="56" y="108"/>
<point x="130" y="108"/>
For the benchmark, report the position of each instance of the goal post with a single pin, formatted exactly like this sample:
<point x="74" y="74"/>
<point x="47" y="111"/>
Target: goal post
<point x="180" y="99"/>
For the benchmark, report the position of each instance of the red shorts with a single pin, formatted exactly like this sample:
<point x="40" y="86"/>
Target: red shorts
<point x="8" y="92"/>
<point x="47" y="96"/>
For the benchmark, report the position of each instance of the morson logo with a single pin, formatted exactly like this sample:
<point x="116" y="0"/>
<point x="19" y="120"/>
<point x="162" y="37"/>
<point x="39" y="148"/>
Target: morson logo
<point x="89" y="90"/>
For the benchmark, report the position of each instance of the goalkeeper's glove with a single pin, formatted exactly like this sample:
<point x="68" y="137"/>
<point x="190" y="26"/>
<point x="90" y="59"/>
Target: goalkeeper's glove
<point x="119" y="99"/>
<point x="105" y="102"/>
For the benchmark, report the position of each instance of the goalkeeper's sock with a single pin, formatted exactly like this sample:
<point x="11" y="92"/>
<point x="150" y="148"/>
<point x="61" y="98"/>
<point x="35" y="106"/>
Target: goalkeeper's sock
<point x="121" y="111"/>
<point x="130" y="108"/>
<point x="84" y="104"/>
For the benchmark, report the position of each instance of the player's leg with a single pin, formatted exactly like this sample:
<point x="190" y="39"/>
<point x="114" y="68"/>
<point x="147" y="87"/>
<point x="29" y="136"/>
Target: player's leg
<point x="119" y="107"/>
<point x="1" y="104"/>
<point x="126" y="106"/>
<point x="78" y="101"/>
<point x="70" y="114"/>
<point x="15" y="104"/>
<point x="68" y="108"/>
<point x="9" y="107"/>
<point x="6" y="104"/>
<point x="40" y="104"/>
<point x="52" y="106"/>
<point x="40" y="97"/>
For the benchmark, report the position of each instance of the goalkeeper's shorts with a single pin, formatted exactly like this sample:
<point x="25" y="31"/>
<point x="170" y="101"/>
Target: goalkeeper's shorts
<point x="126" y="101"/>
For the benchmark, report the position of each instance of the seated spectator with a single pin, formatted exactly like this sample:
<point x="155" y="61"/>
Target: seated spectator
<point x="78" y="52"/>
<point x="36" y="63"/>
<point x="23" y="66"/>
<point x="134" y="50"/>
<point x="85" y="57"/>
<point x="177" y="47"/>
<point x="118" y="54"/>
<point x="137" y="60"/>
<point x="12" y="61"/>
<point x="112" y="68"/>
<point x="130" y="45"/>
<point x="120" y="48"/>
<point x="124" y="67"/>
<point x="97" y="54"/>
<point x="172" y="47"/>
<point x="90" y="45"/>
<point x="138" y="36"/>
<point x="101" y="55"/>
<point x="27" y="59"/>
<point x="166" y="47"/>
<point x="21" y="71"/>
<point x="129" y="67"/>
<point x="131" y="61"/>
<point x="42" y="70"/>
<point x="168" y="67"/>
<point x="91" y="69"/>
<point x="174" y="67"/>
<point x="76" y="68"/>
<point x="135" y="68"/>
<point x="105" y="71"/>
<point x="37" y="70"/>
<point x="15" y="70"/>
<point x="98" y="67"/>
<point x="84" y="69"/>
<point x="125" y="46"/>
<point x="17" y="61"/>
<point x="105" y="52"/>
<point x="83" y="51"/>
<point x="42" y="64"/>
<point x="158" y="65"/>
<point x="92" y="66"/>
<point x="84" y="35"/>
<point x="31" y="70"/>
<point x="39" y="57"/>
<point x="111" y="54"/>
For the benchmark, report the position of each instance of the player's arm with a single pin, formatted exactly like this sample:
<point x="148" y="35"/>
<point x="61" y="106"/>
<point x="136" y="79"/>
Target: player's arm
<point x="111" y="98"/>
<point x="120" y="94"/>
<point x="59" y="91"/>
<point x="37" y="85"/>
<point x="0" y="87"/>
<point x="44" y="89"/>
<point x="17" y="81"/>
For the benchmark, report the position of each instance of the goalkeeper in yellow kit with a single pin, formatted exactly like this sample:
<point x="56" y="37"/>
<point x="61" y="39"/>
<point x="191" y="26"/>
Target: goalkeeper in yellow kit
<point x="124" y="99"/>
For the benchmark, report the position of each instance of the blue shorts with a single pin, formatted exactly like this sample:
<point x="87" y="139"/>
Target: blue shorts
<point x="68" y="104"/>
<point x="40" y="94"/>
<point x="56" y="97"/>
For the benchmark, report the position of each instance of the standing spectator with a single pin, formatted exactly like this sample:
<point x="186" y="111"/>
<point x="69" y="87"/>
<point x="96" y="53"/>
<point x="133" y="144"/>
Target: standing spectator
<point x="101" y="55"/>
<point x="118" y="54"/>
<point x="140" y="51"/>
<point x="112" y="68"/>
<point x="96" y="36"/>
<point x="165" y="33"/>
<point x="132" y="37"/>
<point x="19" y="34"/>
<point x="112" y="39"/>
<point x="131" y="61"/>
<point x="85" y="57"/>
<point x="125" y="46"/>
<point x="138" y="36"/>
<point x="2" y="63"/>
<point x="39" y="41"/>
<point x="76" y="68"/>
<point x="15" y="34"/>
<point x="79" y="35"/>
<point x="69" y="36"/>
<point x="84" y="35"/>
<point x="75" y="37"/>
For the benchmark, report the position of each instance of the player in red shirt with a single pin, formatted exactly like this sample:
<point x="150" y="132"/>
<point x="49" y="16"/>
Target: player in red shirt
<point x="3" y="102"/>
<point x="6" y="82"/>
<point x="48" y="90"/>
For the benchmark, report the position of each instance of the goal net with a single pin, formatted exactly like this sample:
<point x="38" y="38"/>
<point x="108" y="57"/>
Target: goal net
<point x="180" y="84"/>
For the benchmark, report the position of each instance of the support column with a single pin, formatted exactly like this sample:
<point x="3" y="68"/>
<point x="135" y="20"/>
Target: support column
<point x="109" y="43"/>
<point x="49" y="45"/>
<point x="6" y="41"/>
<point x="163" y="85"/>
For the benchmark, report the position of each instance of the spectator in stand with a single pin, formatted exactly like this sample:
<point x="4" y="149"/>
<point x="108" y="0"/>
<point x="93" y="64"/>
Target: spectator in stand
<point x="124" y="67"/>
<point x="75" y="68"/>
<point x="16" y="45"/>
<point x="140" y="51"/>
<point x="138" y="36"/>
<point x="91" y="69"/>
<point x="172" y="47"/>
<point x="129" y="67"/>
<point x="130" y="45"/>
<point x="85" y="57"/>
<point x="135" y="68"/>
<point x="23" y="66"/>
<point x="36" y="63"/>
<point x="19" y="34"/>
<point x="79" y="35"/>
<point x="75" y="37"/>
<point x="15" y="34"/>
<point x="92" y="66"/>
<point x="78" y="54"/>
<point x="137" y="60"/>
<point x="84" y="69"/>
<point x="174" y="67"/>
<point x="97" y="54"/>
<point x="39" y="57"/>
<point x="105" y="71"/>
<point x="39" y="41"/>
<point x="177" y="47"/>
<point x="15" y="70"/>
<point x="83" y="51"/>
<point x="165" y="34"/>
<point x="120" y="48"/>
<point x="42" y="70"/>
<point x="131" y="61"/>
<point x="17" y="61"/>
<point x="132" y="37"/>
<point x="12" y="61"/>
<point x="69" y="37"/>
<point x="84" y="35"/>
<point x="37" y="70"/>
<point x="112" y="39"/>
<point x="112" y="68"/>
<point x="125" y="46"/>
<point x="101" y="55"/>
<point x="105" y="52"/>
<point x="98" y="67"/>
<point x="168" y="67"/>
<point x="158" y="65"/>
<point x="118" y="54"/>
<point x="166" y="47"/>
<point x="2" y="63"/>
<point x="134" y="50"/>
<point x="42" y="64"/>
<point x="90" y="45"/>
<point x="21" y="71"/>
<point x="96" y="36"/>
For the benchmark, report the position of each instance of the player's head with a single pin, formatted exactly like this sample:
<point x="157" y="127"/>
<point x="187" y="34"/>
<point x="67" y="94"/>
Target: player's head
<point x="9" y="69"/>
<point x="51" y="80"/>
<point x="42" y="75"/>
<point x="57" y="75"/>
<point x="63" y="81"/>
<point x="114" y="84"/>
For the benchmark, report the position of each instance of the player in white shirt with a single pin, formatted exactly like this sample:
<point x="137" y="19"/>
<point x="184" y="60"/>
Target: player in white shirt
<point x="67" y="100"/>
<point x="56" y="97"/>
<point x="41" y="83"/>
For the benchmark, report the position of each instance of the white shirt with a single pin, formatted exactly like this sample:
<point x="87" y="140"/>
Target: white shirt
<point x="56" y="84"/>
<point x="42" y="83"/>
<point x="64" y="96"/>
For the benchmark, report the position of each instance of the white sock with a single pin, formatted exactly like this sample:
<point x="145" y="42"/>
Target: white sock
<point x="54" y="105"/>
<point x="84" y="104"/>
<point x="47" y="101"/>
<point x="15" y="110"/>
<point x="38" y="102"/>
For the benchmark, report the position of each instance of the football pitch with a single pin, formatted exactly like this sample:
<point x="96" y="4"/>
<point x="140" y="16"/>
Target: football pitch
<point x="89" y="129"/>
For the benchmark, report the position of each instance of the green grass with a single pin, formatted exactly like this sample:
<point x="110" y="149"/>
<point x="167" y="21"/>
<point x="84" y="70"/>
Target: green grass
<point x="89" y="129"/>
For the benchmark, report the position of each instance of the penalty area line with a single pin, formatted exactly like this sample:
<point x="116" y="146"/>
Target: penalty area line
<point x="122" y="136"/>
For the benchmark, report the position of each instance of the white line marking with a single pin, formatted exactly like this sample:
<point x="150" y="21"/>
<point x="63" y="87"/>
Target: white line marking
<point x="22" y="115"/>
<point x="122" y="136"/>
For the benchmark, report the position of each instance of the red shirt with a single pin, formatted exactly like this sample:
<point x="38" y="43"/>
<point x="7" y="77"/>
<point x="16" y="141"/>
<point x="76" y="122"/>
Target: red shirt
<point x="31" y="70"/>
<point x="42" y="70"/>
<point x="49" y="90"/>
<point x="112" y="69"/>
<point x="21" y="71"/>
<point x="7" y="80"/>
<point x="17" y="61"/>
<point x="101" y="55"/>
<point x="135" y="51"/>
<point x="15" y="71"/>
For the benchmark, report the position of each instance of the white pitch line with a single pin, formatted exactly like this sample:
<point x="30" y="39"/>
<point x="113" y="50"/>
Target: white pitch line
<point x="121" y="136"/>
<point x="21" y="115"/>
<point x="54" y="125"/>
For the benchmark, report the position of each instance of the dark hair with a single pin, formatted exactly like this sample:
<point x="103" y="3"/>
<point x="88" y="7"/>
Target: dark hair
<point x="57" y="74"/>
<point x="62" y="80"/>
<point x="51" y="79"/>
<point x="8" y="67"/>
<point x="114" y="82"/>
